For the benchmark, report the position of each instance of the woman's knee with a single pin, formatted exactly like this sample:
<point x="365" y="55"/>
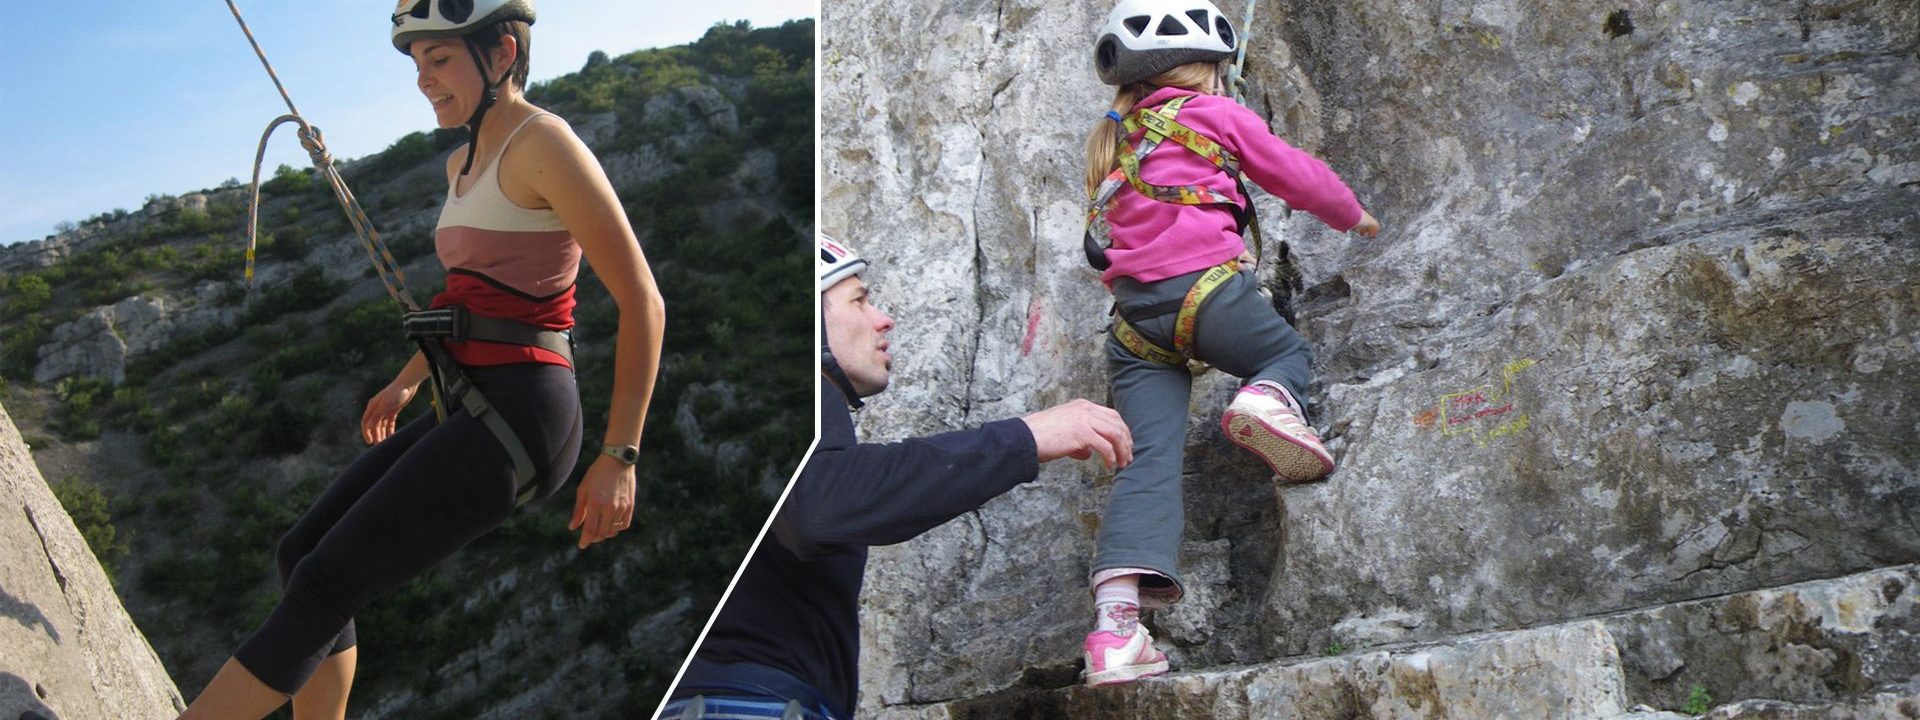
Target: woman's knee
<point x="313" y="586"/>
<point x="287" y="555"/>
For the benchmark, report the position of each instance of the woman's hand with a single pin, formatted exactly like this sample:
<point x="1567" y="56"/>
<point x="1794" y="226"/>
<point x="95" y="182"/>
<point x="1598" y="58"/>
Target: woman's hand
<point x="382" y="409"/>
<point x="1368" y="226"/>
<point x="603" y="507"/>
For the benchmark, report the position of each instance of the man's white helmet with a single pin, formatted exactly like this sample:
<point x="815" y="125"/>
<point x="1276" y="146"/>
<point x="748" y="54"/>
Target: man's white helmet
<point x="425" y="19"/>
<point x="1143" y="38"/>
<point x="837" y="262"/>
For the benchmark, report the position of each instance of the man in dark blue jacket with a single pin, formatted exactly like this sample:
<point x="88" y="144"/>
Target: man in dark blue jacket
<point x="787" y="642"/>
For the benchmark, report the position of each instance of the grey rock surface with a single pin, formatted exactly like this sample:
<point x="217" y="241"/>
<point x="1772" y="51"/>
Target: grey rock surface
<point x="1585" y="669"/>
<point x="100" y="343"/>
<point x="1892" y="704"/>
<point x="68" y="648"/>
<point x="1641" y="328"/>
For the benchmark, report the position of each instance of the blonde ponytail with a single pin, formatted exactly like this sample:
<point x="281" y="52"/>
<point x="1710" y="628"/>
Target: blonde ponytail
<point x="1103" y="142"/>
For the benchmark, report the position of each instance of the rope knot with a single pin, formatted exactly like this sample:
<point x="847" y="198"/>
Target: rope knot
<point x="316" y="146"/>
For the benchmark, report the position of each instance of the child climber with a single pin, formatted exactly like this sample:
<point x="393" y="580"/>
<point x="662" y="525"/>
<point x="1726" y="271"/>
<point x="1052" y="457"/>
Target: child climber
<point x="1162" y="167"/>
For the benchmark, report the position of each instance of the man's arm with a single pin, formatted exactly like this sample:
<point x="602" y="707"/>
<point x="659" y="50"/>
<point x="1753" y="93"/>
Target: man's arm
<point x="860" y="494"/>
<point x="855" y="494"/>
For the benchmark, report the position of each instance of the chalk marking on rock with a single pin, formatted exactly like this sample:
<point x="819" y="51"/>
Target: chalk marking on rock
<point x="1461" y="413"/>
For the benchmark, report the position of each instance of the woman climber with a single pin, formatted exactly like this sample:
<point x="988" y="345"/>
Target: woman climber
<point x="1162" y="168"/>
<point x="524" y="202"/>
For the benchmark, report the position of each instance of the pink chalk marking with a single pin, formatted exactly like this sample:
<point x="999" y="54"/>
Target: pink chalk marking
<point x="1483" y="412"/>
<point x="1473" y="399"/>
<point x="1033" y="326"/>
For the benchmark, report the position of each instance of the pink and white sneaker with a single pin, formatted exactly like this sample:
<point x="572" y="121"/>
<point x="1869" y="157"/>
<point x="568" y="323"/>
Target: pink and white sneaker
<point x="1113" y="659"/>
<point x="1265" y="420"/>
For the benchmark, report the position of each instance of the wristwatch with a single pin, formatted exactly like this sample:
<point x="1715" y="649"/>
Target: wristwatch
<point x="628" y="454"/>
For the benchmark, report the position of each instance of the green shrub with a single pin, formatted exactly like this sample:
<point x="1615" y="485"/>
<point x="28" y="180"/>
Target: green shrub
<point x="28" y="293"/>
<point x="91" y="511"/>
<point x="1699" y="701"/>
<point x="287" y="181"/>
<point x="409" y="151"/>
<point x="20" y="348"/>
<point x="77" y="395"/>
<point x="285" y="429"/>
<point x="294" y="242"/>
<point x="309" y="289"/>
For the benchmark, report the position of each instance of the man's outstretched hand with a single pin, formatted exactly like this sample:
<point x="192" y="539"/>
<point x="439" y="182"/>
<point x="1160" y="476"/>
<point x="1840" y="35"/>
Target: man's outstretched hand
<point x="1079" y="429"/>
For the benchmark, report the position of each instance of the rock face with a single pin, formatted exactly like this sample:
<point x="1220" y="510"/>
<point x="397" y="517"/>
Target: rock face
<point x="1810" y="650"/>
<point x="101" y="342"/>
<point x="1641" y="328"/>
<point x="70" y="650"/>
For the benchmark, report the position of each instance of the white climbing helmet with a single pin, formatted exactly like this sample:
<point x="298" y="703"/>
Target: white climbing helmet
<point x="837" y="262"/>
<point x="1143" y="38"/>
<point x="424" y="19"/>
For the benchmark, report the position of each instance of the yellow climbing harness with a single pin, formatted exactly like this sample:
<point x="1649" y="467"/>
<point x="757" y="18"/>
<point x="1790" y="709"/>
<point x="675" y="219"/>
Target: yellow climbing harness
<point x="1156" y="126"/>
<point x="1184" y="321"/>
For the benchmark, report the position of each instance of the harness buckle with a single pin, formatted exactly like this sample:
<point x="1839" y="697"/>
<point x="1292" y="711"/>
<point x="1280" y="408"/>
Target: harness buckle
<point x="447" y="323"/>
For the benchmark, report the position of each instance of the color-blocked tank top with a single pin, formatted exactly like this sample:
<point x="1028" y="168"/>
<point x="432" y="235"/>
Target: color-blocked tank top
<point x="505" y="261"/>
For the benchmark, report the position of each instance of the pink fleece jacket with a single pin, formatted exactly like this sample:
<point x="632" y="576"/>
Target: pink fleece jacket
<point x="1155" y="240"/>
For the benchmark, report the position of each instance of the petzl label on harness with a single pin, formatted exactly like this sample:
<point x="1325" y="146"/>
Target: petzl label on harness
<point x="1189" y="316"/>
<point x="1141" y="347"/>
<point x="1163" y="124"/>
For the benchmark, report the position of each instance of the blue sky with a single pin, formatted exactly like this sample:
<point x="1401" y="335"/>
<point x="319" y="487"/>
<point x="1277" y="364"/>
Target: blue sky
<point x="105" y="103"/>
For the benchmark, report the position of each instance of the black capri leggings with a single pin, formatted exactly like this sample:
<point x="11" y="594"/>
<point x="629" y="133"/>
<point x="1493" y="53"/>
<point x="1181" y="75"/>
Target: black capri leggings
<point x="402" y="507"/>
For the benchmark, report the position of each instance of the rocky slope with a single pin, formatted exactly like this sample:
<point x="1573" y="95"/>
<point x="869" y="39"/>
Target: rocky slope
<point x="71" y="650"/>
<point x="1641" y="329"/>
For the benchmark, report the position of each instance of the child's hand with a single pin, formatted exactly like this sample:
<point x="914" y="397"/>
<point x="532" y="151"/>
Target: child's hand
<point x="1368" y="226"/>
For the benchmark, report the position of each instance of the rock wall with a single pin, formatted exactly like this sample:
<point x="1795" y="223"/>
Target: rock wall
<point x="69" y="649"/>
<point x="100" y="343"/>
<point x="1641" y="327"/>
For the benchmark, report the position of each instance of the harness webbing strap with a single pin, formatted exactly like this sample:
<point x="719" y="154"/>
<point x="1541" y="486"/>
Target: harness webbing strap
<point x="1141" y="347"/>
<point x="1184" y="323"/>
<point x="1159" y="126"/>
<point x="476" y="405"/>
<point x="455" y="322"/>
<point x="481" y="327"/>
<point x="1162" y="122"/>
<point x="1189" y="315"/>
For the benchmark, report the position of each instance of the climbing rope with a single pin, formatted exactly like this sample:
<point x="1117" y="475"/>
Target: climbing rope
<point x="1237" y="84"/>
<point x="310" y="138"/>
<point x="1236" y="80"/>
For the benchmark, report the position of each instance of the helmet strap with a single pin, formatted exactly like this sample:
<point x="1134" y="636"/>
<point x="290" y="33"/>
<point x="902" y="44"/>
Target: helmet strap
<point x="840" y="377"/>
<point x="489" y="95"/>
<point x="831" y="367"/>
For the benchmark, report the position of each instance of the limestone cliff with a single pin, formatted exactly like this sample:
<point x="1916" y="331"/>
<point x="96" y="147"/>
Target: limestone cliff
<point x="70" y="650"/>
<point x="1641" y="330"/>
